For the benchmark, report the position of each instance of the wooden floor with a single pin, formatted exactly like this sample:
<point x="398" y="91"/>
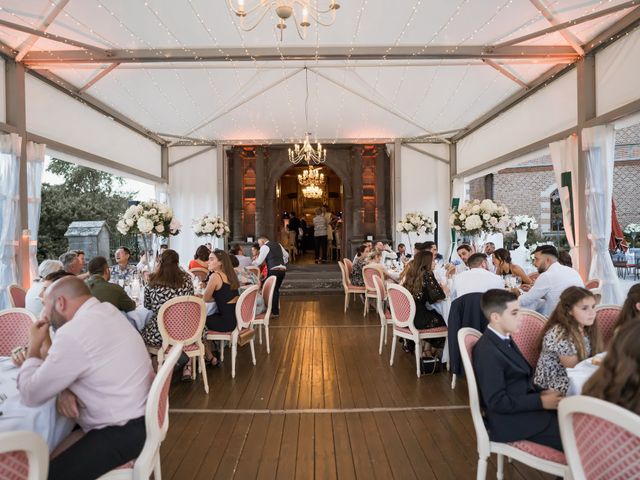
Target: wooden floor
<point x="323" y="404"/>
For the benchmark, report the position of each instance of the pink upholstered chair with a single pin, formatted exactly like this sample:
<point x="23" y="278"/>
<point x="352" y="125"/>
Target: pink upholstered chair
<point x="348" y="265"/>
<point x="263" y="318"/>
<point x="181" y="320"/>
<point x="15" y="324"/>
<point x="601" y="440"/>
<point x="17" y="296"/>
<point x="23" y="455"/>
<point x="527" y="337"/>
<point x="368" y="272"/>
<point x="349" y="288"/>
<point x="256" y="271"/>
<point x="199" y="273"/>
<point x="593" y="283"/>
<point x="383" y="313"/>
<point x="534" y="455"/>
<point x="156" y="419"/>
<point x="245" y="316"/>
<point x="403" y="311"/>
<point x="607" y="318"/>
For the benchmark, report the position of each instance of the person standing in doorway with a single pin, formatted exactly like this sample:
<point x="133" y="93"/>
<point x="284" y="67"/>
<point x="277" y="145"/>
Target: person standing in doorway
<point x="276" y="258"/>
<point x="320" y="235"/>
<point x="294" y="226"/>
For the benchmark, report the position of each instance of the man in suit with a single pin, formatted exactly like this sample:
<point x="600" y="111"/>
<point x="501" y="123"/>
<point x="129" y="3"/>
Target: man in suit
<point x="515" y="408"/>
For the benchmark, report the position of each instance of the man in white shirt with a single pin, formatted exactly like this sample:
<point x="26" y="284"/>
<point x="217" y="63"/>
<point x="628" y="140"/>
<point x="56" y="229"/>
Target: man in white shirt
<point x="276" y="259"/>
<point x="554" y="279"/>
<point x="385" y="252"/>
<point x="243" y="260"/>
<point x="99" y="369"/>
<point x="489" y="248"/>
<point x="476" y="279"/>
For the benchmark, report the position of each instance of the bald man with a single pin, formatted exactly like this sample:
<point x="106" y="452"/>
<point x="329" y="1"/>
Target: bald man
<point x="100" y="372"/>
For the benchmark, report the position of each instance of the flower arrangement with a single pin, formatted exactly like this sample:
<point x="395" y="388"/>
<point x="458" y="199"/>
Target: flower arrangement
<point x="415" y="222"/>
<point x="520" y="222"/>
<point x="210" y="225"/>
<point x="149" y="217"/>
<point x="632" y="229"/>
<point x="476" y="217"/>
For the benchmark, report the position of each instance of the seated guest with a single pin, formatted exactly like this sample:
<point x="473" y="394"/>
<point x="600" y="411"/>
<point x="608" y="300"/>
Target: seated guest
<point x="476" y="279"/>
<point x="71" y="263"/>
<point x="570" y="336"/>
<point x="81" y="259"/>
<point x="100" y="371"/>
<point x="554" y="279"/>
<point x="33" y="302"/>
<point x="365" y="251"/>
<point x="464" y="251"/>
<point x="201" y="258"/>
<point x="104" y="291"/>
<point x="402" y="254"/>
<point x="243" y="260"/>
<point x="247" y="278"/>
<point x="564" y="258"/>
<point x="255" y="253"/>
<point x="515" y="408"/>
<point x="617" y="380"/>
<point x="122" y="271"/>
<point x="489" y="248"/>
<point x="630" y="308"/>
<point x="222" y="288"/>
<point x="359" y="262"/>
<point x="426" y="291"/>
<point x="385" y="251"/>
<point x="503" y="266"/>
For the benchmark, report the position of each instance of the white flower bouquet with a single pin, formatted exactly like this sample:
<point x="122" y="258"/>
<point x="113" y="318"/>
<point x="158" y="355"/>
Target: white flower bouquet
<point x="208" y="224"/>
<point x="416" y="222"/>
<point x="521" y="222"/>
<point x="150" y="217"/>
<point x="632" y="229"/>
<point x="476" y="217"/>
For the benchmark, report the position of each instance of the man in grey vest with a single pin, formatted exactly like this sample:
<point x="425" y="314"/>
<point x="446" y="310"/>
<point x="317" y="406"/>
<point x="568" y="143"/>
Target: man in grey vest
<point x="276" y="257"/>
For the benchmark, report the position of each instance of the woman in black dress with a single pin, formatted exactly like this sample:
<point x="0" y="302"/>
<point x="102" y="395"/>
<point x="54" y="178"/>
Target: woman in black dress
<point x="222" y="288"/>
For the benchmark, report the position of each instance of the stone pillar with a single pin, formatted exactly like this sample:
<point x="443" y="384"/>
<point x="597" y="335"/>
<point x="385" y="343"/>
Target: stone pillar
<point x="272" y="158"/>
<point x="381" y="194"/>
<point x="235" y="167"/>
<point x="356" y="203"/>
<point x="260" y="192"/>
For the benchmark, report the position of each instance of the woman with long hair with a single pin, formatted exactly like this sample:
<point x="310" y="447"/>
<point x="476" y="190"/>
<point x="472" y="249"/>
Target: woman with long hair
<point x="360" y="261"/>
<point x="222" y="288"/>
<point x="618" y="378"/>
<point x="201" y="258"/>
<point x="630" y="308"/>
<point x="570" y="336"/>
<point x="504" y="266"/>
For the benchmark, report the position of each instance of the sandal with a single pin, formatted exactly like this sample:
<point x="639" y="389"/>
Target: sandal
<point x="186" y="373"/>
<point x="214" y="361"/>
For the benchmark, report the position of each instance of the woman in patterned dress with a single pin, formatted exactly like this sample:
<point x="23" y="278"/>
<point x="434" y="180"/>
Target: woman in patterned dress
<point x="570" y="336"/>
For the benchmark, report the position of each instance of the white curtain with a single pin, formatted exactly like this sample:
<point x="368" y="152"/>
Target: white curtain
<point x="9" y="212"/>
<point x="458" y="191"/>
<point x="598" y="144"/>
<point x="564" y="155"/>
<point x="35" y="166"/>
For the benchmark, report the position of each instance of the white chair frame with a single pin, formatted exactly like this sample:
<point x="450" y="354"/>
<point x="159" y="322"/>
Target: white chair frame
<point x="379" y="286"/>
<point x="621" y="417"/>
<point x="33" y="446"/>
<point x="264" y="322"/>
<point x="14" y="286"/>
<point x="485" y="446"/>
<point x="232" y="337"/>
<point x="348" y="287"/>
<point x="369" y="289"/>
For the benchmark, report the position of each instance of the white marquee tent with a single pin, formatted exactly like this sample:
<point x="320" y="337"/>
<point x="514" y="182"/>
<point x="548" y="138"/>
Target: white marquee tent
<point x="156" y="89"/>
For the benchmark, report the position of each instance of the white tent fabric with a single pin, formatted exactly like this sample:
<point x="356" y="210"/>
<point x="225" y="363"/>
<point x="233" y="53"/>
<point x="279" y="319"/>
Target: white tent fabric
<point x="35" y="165"/>
<point x="598" y="143"/>
<point x="9" y="211"/>
<point x="564" y="155"/>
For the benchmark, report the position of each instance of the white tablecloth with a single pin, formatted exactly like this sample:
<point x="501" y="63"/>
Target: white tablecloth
<point x="43" y="420"/>
<point x="579" y="375"/>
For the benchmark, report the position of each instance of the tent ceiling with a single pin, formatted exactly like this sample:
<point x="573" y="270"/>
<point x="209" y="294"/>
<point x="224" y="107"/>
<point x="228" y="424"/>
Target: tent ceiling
<point x="407" y="87"/>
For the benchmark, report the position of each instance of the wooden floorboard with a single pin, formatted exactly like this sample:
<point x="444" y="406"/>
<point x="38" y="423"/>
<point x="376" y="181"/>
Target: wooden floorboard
<point x="324" y="404"/>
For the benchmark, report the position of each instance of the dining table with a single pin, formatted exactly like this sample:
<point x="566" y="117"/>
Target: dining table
<point x="582" y="372"/>
<point x="15" y="416"/>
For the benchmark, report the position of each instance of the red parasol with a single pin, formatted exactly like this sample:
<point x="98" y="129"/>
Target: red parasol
<point x="617" y="237"/>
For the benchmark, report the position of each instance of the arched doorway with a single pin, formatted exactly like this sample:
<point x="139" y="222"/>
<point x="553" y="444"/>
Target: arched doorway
<point x="292" y="197"/>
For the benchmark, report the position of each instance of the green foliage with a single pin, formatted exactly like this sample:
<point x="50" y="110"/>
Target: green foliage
<point x="85" y="194"/>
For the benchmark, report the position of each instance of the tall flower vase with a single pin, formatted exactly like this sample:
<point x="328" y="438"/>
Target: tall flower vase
<point x="478" y="240"/>
<point x="521" y="235"/>
<point x="148" y="242"/>
<point x="411" y="243"/>
<point x="520" y="256"/>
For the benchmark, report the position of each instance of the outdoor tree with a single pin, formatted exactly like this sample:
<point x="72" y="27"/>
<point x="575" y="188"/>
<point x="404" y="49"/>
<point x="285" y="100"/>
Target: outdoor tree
<point x="84" y="194"/>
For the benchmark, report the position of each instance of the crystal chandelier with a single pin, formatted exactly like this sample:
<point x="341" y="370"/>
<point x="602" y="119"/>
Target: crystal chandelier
<point x="302" y="12"/>
<point x="311" y="176"/>
<point x="312" y="191"/>
<point x="307" y="153"/>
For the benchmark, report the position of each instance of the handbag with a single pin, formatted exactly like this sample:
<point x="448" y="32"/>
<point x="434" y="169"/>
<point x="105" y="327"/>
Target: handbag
<point x="246" y="336"/>
<point x="430" y="365"/>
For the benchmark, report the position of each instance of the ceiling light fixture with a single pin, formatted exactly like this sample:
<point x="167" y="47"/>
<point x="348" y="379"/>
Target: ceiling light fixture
<point x="302" y="12"/>
<point x="312" y="191"/>
<point x="311" y="176"/>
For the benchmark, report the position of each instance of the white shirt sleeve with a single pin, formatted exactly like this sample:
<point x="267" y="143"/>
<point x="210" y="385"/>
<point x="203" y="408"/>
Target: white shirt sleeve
<point x="539" y="291"/>
<point x="262" y="256"/>
<point x="285" y="255"/>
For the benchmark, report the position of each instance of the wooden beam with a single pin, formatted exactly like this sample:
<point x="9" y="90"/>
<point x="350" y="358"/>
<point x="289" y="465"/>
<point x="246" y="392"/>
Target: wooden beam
<point x="30" y="42"/>
<point x="568" y="36"/>
<point x="100" y="75"/>
<point x="623" y="26"/>
<point x="615" y="114"/>
<point x="506" y="73"/>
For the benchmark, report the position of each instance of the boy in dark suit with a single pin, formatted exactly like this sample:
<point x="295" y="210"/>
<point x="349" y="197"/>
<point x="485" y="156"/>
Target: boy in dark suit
<point x="515" y="408"/>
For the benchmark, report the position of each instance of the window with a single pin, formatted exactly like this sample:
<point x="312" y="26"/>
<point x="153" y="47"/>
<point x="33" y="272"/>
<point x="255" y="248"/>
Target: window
<point x="557" y="223"/>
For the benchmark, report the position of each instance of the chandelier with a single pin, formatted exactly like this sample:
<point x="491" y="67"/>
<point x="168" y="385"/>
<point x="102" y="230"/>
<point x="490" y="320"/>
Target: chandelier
<point x="302" y="11"/>
<point x="312" y="191"/>
<point x="307" y="153"/>
<point x="311" y="176"/>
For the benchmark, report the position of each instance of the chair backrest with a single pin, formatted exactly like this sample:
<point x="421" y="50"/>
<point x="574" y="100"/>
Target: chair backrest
<point x="607" y="318"/>
<point x="267" y="293"/>
<point x="527" y="337"/>
<point x="402" y="306"/>
<point x="17" y="296"/>
<point x="15" y="324"/>
<point x="246" y="307"/>
<point x="181" y="320"/>
<point x="156" y="415"/>
<point x="255" y="270"/>
<point x="343" y="273"/>
<point x="593" y="283"/>
<point x="600" y="439"/>
<point x="378" y="285"/>
<point x="368" y="272"/>
<point x="200" y="273"/>
<point x="467" y="339"/>
<point x="23" y="455"/>
<point x="348" y="265"/>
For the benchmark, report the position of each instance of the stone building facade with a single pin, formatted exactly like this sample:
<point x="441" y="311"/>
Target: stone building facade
<point x="527" y="188"/>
